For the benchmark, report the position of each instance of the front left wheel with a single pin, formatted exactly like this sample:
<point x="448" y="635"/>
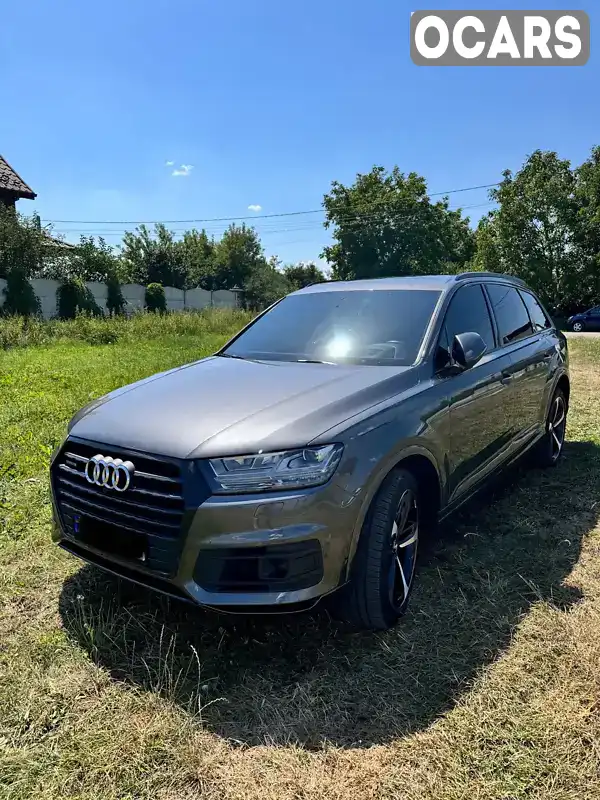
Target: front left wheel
<point x="383" y="569"/>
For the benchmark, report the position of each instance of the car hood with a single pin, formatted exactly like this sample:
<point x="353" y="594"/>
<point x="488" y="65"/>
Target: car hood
<point x="223" y="406"/>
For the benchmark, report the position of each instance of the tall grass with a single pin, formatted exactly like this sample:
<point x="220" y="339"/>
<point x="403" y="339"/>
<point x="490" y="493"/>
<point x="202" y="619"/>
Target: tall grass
<point x="28" y="331"/>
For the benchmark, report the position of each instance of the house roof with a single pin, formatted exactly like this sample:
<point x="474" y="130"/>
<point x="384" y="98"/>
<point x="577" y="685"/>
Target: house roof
<point x="10" y="181"/>
<point x="59" y="244"/>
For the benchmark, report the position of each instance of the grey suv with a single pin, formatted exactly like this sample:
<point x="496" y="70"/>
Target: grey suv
<point x="309" y="455"/>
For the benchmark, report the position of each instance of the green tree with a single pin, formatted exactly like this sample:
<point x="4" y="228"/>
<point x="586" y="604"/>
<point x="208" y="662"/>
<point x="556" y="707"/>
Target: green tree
<point x="94" y="261"/>
<point x="385" y="224"/>
<point x="21" y="243"/>
<point x="587" y="193"/>
<point x="21" y="253"/>
<point x="265" y="285"/>
<point x="153" y="257"/>
<point x="487" y="251"/>
<point x="305" y="273"/>
<point x="197" y="254"/>
<point x="534" y="232"/>
<point x="19" y="296"/>
<point x="238" y="255"/>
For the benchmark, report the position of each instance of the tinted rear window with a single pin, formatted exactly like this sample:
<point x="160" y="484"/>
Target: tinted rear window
<point x="536" y="312"/>
<point x="511" y="314"/>
<point x="362" y="327"/>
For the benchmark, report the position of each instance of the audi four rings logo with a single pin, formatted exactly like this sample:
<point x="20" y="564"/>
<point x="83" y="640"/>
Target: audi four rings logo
<point x="113" y="473"/>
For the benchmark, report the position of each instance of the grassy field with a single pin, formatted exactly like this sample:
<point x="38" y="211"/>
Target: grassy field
<point x="28" y="331"/>
<point x="489" y="688"/>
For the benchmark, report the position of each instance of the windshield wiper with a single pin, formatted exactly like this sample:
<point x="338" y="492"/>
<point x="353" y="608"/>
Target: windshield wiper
<point x="231" y="355"/>
<point x="313" y="361"/>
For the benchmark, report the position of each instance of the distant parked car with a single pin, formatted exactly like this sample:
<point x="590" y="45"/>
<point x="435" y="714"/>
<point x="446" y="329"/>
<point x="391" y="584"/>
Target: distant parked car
<point x="309" y="455"/>
<point x="586" y="321"/>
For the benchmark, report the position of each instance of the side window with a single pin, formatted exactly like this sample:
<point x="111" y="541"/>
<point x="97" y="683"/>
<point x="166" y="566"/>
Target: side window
<point x="511" y="314"/>
<point x="536" y="312"/>
<point x="467" y="312"/>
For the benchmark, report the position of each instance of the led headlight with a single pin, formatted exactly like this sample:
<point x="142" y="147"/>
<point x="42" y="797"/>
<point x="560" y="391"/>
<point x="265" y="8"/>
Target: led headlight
<point x="290" y="469"/>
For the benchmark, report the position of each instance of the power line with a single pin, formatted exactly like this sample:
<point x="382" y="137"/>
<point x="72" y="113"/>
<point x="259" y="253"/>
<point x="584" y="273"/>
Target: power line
<point x="308" y="227"/>
<point x="237" y="219"/>
<point x="303" y="226"/>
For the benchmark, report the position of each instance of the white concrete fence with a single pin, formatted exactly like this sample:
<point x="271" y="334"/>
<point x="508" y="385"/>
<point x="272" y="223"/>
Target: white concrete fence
<point x="134" y="294"/>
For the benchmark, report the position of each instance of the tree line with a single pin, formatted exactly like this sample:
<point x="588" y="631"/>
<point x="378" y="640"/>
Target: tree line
<point x="545" y="228"/>
<point x="153" y="258"/>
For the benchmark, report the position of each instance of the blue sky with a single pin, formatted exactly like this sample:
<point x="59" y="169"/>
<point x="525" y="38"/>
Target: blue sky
<point x="269" y="101"/>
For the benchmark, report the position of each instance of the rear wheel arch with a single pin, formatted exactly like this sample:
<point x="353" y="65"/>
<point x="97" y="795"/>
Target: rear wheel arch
<point x="565" y="385"/>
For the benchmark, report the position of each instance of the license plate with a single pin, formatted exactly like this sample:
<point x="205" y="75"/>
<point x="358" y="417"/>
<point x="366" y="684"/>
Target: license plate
<point x="110" y="539"/>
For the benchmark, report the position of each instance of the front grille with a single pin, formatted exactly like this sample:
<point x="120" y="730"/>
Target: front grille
<point x="151" y="511"/>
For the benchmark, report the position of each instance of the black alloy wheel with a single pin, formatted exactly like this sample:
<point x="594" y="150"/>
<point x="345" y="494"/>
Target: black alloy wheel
<point x="383" y="568"/>
<point x="404" y="544"/>
<point x="557" y="425"/>
<point x="551" y="446"/>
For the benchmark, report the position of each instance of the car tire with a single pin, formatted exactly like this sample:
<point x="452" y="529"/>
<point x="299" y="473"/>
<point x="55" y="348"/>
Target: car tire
<point x="383" y="568"/>
<point x="578" y="327"/>
<point x="551" y="446"/>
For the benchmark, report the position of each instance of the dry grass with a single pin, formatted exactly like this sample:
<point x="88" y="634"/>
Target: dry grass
<point x="490" y="688"/>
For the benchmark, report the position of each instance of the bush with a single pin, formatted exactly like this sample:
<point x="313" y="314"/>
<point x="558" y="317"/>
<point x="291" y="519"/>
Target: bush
<point x="155" y="298"/>
<point x="115" y="302"/>
<point x="73" y="297"/>
<point x="21" y="243"/>
<point x="19" y="296"/>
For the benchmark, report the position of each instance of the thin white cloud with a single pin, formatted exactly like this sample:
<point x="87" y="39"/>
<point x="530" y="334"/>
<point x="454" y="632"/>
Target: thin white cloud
<point x="169" y="163"/>
<point x="254" y="207"/>
<point x="183" y="171"/>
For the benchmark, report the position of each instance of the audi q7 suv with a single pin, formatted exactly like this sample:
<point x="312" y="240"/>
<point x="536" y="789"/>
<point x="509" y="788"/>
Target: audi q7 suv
<point x="309" y="455"/>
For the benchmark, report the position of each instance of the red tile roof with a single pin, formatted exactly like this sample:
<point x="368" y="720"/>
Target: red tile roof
<point x="11" y="182"/>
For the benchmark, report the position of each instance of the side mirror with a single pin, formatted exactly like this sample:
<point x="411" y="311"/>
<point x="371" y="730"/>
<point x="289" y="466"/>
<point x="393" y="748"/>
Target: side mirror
<point x="467" y="349"/>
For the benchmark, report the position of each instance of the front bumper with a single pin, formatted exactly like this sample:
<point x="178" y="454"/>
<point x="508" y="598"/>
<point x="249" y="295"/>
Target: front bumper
<point x="273" y="551"/>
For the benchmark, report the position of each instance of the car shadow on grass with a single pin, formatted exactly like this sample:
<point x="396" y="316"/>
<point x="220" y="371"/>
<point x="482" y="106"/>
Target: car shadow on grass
<point x="306" y="679"/>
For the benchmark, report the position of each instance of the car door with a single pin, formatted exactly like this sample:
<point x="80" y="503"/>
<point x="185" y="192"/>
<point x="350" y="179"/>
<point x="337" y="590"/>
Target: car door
<point x="479" y="398"/>
<point x="531" y="351"/>
<point x="594" y="319"/>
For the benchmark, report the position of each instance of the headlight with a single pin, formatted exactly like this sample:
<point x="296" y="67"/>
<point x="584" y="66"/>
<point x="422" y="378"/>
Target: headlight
<point x="290" y="469"/>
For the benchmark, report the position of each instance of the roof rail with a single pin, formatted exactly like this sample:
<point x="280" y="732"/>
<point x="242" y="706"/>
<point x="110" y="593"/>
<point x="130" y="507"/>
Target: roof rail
<point x="465" y="275"/>
<point x="318" y="283"/>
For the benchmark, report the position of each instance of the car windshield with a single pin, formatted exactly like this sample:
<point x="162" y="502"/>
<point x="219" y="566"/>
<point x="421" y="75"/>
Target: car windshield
<point x="382" y="327"/>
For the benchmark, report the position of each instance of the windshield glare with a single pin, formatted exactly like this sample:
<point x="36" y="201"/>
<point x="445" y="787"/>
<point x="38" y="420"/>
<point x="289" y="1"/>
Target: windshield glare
<point x="373" y="326"/>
